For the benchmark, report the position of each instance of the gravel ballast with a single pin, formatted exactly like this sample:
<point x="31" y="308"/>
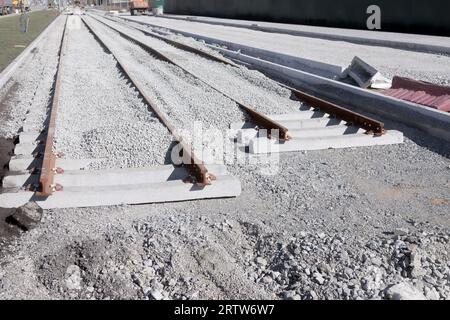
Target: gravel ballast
<point x="358" y="223"/>
<point x="183" y="98"/>
<point x="242" y="84"/>
<point x="100" y="115"/>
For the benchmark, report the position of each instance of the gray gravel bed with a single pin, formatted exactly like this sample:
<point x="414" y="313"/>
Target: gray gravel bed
<point x="248" y="86"/>
<point x="101" y="115"/>
<point x="359" y="223"/>
<point x="186" y="101"/>
<point x="199" y="44"/>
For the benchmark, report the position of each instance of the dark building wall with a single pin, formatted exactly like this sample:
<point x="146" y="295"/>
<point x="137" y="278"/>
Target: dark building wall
<point x="413" y="16"/>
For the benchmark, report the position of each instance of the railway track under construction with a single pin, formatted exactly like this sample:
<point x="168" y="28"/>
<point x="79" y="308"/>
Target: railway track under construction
<point x="38" y="172"/>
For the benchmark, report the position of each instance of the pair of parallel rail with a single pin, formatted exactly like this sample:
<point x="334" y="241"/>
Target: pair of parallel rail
<point x="196" y="168"/>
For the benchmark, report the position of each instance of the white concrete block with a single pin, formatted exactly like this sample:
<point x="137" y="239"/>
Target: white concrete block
<point x="20" y="180"/>
<point x="28" y="148"/>
<point x="21" y="164"/>
<point x="31" y="128"/>
<point x="169" y="191"/>
<point x="301" y="115"/>
<point x="118" y="177"/>
<point x="15" y="199"/>
<point x="311" y="123"/>
<point x="294" y="124"/>
<point x="30" y="137"/>
<point x="264" y="145"/>
<point x="244" y="136"/>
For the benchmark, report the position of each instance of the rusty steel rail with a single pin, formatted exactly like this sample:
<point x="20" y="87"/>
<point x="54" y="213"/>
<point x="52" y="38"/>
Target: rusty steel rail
<point x="196" y="167"/>
<point x="48" y="170"/>
<point x="262" y="121"/>
<point x="370" y="125"/>
<point x="177" y="44"/>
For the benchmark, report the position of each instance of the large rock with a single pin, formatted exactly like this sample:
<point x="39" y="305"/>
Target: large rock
<point x="28" y="216"/>
<point x="404" y="291"/>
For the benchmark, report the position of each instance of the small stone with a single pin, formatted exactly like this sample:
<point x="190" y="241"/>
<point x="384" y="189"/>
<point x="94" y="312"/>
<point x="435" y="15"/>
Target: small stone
<point x="321" y="235"/>
<point x="267" y="280"/>
<point x="149" y="271"/>
<point x="261" y="261"/>
<point x="148" y="263"/>
<point x="275" y="274"/>
<point x="432" y="294"/>
<point x="253" y="276"/>
<point x="438" y="274"/>
<point x="376" y="261"/>
<point x="429" y="280"/>
<point x="288" y="295"/>
<point x="73" y="277"/>
<point x="27" y="217"/>
<point x="416" y="265"/>
<point x="401" y="232"/>
<point x="156" y="294"/>
<point x="313" y="295"/>
<point x="404" y="291"/>
<point x="172" y="282"/>
<point x="318" y="278"/>
<point x="136" y="279"/>
<point x="324" y="268"/>
<point x="302" y="234"/>
<point x="348" y="272"/>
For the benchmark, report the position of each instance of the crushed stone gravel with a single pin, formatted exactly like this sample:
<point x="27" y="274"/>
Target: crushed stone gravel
<point x="101" y="116"/>
<point x="359" y="223"/>
<point x="247" y="86"/>
<point x="29" y="90"/>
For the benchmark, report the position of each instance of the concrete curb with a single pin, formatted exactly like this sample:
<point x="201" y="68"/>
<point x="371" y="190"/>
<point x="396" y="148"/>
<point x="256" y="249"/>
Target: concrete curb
<point x="412" y="46"/>
<point x="8" y="72"/>
<point x="324" y="69"/>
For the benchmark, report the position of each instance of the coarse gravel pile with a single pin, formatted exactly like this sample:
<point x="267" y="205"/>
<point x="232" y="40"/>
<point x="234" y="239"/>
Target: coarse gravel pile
<point x="157" y="253"/>
<point x="100" y="115"/>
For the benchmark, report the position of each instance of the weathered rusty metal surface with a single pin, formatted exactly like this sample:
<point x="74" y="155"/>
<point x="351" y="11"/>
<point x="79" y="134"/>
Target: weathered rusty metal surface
<point x="424" y="93"/>
<point x="259" y="119"/>
<point x="48" y="171"/>
<point x="370" y="125"/>
<point x="195" y="166"/>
